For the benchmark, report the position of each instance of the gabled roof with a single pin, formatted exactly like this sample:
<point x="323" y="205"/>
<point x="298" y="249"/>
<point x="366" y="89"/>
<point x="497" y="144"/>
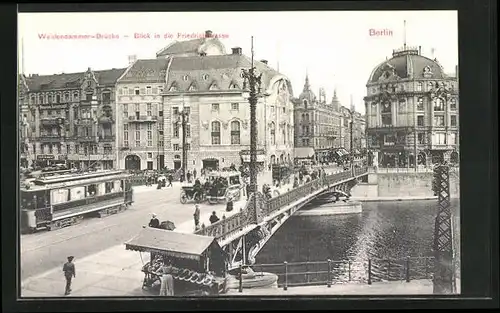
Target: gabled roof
<point x="223" y="70"/>
<point x="146" y="71"/>
<point x="70" y="80"/>
<point x="171" y="242"/>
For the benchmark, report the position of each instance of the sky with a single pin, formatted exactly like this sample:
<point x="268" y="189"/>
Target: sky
<point x="336" y="48"/>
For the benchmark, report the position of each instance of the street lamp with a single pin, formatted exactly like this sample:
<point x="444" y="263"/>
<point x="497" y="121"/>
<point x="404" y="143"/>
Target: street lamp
<point x="254" y="81"/>
<point x="182" y="119"/>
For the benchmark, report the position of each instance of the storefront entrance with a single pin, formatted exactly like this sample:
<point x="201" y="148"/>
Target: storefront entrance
<point x="132" y="162"/>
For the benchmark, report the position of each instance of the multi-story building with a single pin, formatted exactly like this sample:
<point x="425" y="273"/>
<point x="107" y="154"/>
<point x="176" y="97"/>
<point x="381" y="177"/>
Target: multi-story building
<point x="358" y="129"/>
<point x="207" y="84"/>
<point x="139" y="107"/>
<point x="316" y="123"/>
<point x="412" y="110"/>
<point x="68" y="118"/>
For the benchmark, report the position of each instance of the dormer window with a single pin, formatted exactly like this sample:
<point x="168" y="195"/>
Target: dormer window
<point x="148" y="90"/>
<point x="192" y="88"/>
<point x="136" y="91"/>
<point x="185" y="78"/>
<point x="233" y="86"/>
<point x="242" y="75"/>
<point x="205" y="76"/>
<point x="305" y="104"/>
<point x="213" y="87"/>
<point x="173" y="88"/>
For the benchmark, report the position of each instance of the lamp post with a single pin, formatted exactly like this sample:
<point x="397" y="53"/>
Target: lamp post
<point x="254" y="82"/>
<point x="182" y="118"/>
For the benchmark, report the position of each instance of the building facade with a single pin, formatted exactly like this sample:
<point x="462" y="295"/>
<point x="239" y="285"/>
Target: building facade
<point x="198" y="78"/>
<point x="412" y="110"/>
<point x="321" y="126"/>
<point x="68" y="118"/>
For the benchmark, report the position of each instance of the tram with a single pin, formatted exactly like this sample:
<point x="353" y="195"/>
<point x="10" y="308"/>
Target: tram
<point x="52" y="202"/>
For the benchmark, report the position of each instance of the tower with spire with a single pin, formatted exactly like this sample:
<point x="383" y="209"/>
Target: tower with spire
<point x="307" y="94"/>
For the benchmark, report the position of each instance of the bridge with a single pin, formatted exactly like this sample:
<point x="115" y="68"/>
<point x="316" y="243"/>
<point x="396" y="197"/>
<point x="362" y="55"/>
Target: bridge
<point x="243" y="234"/>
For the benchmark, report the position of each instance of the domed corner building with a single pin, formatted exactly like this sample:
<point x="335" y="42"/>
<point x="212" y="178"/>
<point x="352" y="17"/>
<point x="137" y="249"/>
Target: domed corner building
<point x="412" y="110"/>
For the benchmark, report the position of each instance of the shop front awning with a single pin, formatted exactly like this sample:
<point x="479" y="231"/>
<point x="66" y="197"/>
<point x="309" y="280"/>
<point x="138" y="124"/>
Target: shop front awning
<point x="304" y="153"/>
<point x="170" y="243"/>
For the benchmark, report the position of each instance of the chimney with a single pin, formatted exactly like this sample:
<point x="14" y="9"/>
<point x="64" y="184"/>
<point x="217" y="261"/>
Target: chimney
<point x="419" y="50"/>
<point x="263" y="61"/>
<point x="132" y="59"/>
<point x="237" y="50"/>
<point x="208" y="34"/>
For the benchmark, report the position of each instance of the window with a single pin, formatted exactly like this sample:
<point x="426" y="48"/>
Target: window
<point x="125" y="136"/>
<point x="160" y="132"/>
<point x="160" y="126"/>
<point x="305" y="104"/>
<point x="136" y="91"/>
<point x="438" y="104"/>
<point x="137" y="143"/>
<point x="58" y="99"/>
<point x="439" y="139"/>
<point x="215" y="107"/>
<point x="176" y="147"/>
<point x="125" y="91"/>
<point x="175" y="110"/>
<point x="137" y="107"/>
<point x="235" y="106"/>
<point x="160" y="89"/>
<point x="453" y="139"/>
<point x="304" y="142"/>
<point x="273" y="133"/>
<point x="453" y="104"/>
<point x="205" y="76"/>
<point x="125" y="110"/>
<point x="235" y="133"/>
<point x="438" y="120"/>
<point x="185" y="77"/>
<point x="420" y="120"/>
<point x="148" y="90"/>
<point x="386" y="113"/>
<point x="188" y="146"/>
<point x="40" y="99"/>
<point x="150" y="135"/>
<point x="150" y="126"/>
<point x="284" y="110"/>
<point x="106" y="97"/>
<point x="216" y="133"/>
<point x="419" y="87"/>
<point x="160" y="113"/>
<point x="125" y="127"/>
<point x="176" y="131"/>
<point x="148" y="108"/>
<point x="389" y="140"/>
<point x="88" y="96"/>
<point x="137" y="135"/>
<point x="108" y="149"/>
<point x="284" y="136"/>
<point x="160" y="143"/>
<point x="137" y="127"/>
<point x="420" y="104"/>
<point x="273" y="109"/>
<point x="453" y="120"/>
<point x="77" y="149"/>
<point x="150" y="143"/>
<point x="49" y="98"/>
<point x="59" y="149"/>
<point x="421" y="138"/>
<point x="188" y="131"/>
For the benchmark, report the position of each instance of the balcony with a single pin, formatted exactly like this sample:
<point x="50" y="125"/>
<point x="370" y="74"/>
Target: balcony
<point x="87" y="138"/>
<point x="142" y="118"/>
<point x="441" y="146"/>
<point x="389" y="129"/>
<point x="52" y="121"/>
<point x="51" y="138"/>
<point x="106" y="138"/>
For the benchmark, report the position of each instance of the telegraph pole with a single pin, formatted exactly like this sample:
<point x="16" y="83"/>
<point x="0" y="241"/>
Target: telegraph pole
<point x="444" y="270"/>
<point x="184" y="147"/>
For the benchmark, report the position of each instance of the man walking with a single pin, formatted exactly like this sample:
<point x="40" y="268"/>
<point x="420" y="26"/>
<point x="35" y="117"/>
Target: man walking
<point x="194" y="174"/>
<point x="69" y="273"/>
<point x="196" y="216"/>
<point x="170" y="178"/>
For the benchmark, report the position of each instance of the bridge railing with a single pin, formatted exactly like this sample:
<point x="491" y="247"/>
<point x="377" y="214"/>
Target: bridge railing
<point x="344" y="271"/>
<point x="238" y="221"/>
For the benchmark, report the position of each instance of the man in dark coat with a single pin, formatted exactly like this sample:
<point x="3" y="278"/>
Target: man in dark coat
<point x="214" y="218"/>
<point x="69" y="273"/>
<point x="170" y="179"/>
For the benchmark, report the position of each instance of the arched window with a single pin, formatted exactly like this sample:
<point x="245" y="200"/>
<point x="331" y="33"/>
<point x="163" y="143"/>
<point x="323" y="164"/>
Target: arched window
<point x="305" y="104"/>
<point x="303" y="117"/>
<point x="66" y="97"/>
<point x="438" y="104"/>
<point x="235" y="133"/>
<point x="216" y="133"/>
<point x="273" y="133"/>
<point x="33" y="99"/>
<point x="307" y="117"/>
<point x="49" y="98"/>
<point x="58" y="99"/>
<point x="75" y="96"/>
<point x="40" y="99"/>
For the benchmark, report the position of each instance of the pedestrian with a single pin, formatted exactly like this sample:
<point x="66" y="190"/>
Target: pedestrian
<point x="196" y="216"/>
<point x="69" y="273"/>
<point x="214" y="218"/>
<point x="229" y="205"/>
<point x="154" y="222"/>
<point x="167" y="280"/>
<point x="188" y="176"/>
<point x="170" y="178"/>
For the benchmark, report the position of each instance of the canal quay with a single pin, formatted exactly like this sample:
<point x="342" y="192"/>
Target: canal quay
<point x="387" y="234"/>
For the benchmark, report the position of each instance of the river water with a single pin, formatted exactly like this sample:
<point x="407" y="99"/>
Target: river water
<point x="383" y="230"/>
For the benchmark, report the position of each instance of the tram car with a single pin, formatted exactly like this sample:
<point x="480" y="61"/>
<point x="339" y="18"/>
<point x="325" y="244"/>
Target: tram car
<point x="57" y="201"/>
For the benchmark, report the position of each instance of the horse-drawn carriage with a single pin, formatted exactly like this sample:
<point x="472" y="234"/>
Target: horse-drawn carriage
<point x="224" y="185"/>
<point x="193" y="193"/>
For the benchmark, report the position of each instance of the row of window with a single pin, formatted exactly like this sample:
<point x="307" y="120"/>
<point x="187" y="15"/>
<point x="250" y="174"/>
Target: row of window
<point x="148" y="90"/>
<point x="418" y="87"/>
<point x="86" y="149"/>
<point x="439" y="104"/>
<point x="422" y="138"/>
<point x="66" y="97"/>
<point x="439" y="120"/>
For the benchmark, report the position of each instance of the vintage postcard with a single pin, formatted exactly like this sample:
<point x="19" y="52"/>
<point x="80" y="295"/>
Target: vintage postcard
<point x="191" y="154"/>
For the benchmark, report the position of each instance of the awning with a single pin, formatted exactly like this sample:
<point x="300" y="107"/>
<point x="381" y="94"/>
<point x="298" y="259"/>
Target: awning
<point x="170" y="243"/>
<point x="304" y="152"/>
<point x="260" y="158"/>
